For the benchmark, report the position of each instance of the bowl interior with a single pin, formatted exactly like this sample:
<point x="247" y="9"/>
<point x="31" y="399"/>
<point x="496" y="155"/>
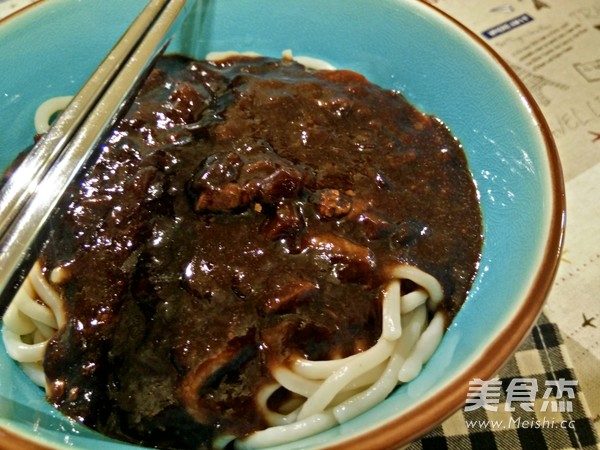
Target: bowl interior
<point x="400" y="44"/>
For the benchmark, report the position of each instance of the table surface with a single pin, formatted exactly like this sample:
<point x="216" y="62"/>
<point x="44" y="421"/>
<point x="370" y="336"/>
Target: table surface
<point x="553" y="45"/>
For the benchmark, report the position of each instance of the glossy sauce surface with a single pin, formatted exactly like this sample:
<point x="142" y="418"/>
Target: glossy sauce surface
<point x="241" y="213"/>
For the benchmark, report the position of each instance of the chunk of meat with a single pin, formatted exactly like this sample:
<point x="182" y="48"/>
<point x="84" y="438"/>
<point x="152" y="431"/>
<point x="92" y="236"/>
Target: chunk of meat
<point x="206" y="386"/>
<point x="286" y="221"/>
<point x="331" y="203"/>
<point x="352" y="262"/>
<point x="227" y="181"/>
<point x="285" y="298"/>
<point x="225" y="198"/>
<point x="284" y="182"/>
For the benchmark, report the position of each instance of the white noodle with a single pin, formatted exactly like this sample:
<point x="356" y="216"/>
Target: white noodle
<point x="382" y="387"/>
<point x="319" y="370"/>
<point x="21" y="351"/>
<point x="288" y="433"/>
<point x="46" y="332"/>
<point x="36" y="311"/>
<point x="43" y="115"/>
<point x="28" y="287"/>
<point x="59" y="275"/>
<point x="15" y="321"/>
<point x="344" y="375"/>
<point x="47" y="294"/>
<point x="262" y="398"/>
<point x="274" y="418"/>
<point x="392" y="327"/>
<point x="30" y="321"/>
<point x="424" y="348"/>
<point x="35" y="372"/>
<point x="413" y="299"/>
<point x="219" y="56"/>
<point x="425" y="280"/>
<point x="307" y="61"/>
<point x="295" y="382"/>
<point x="366" y="379"/>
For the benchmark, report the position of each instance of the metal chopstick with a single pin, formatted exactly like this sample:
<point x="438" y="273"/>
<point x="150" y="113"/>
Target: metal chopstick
<point x="30" y="195"/>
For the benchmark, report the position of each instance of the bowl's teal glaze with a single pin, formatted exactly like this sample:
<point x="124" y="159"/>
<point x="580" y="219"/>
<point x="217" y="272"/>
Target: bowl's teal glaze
<point x="400" y="44"/>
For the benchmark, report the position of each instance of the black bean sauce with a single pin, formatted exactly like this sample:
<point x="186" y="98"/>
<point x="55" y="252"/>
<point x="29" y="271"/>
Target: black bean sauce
<point x="241" y="213"/>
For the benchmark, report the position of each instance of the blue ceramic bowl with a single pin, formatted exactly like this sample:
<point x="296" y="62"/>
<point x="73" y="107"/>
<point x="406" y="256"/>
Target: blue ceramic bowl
<point x="51" y="48"/>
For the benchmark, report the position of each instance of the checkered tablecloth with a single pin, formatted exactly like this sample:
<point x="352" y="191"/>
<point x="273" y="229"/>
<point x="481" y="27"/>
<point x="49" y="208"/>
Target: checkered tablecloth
<point x="541" y="360"/>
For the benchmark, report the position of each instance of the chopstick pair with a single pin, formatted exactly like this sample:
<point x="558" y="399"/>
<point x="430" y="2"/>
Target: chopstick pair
<point x="30" y="195"/>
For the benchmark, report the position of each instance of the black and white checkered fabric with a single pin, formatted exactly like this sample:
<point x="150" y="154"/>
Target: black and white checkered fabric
<point x="542" y="357"/>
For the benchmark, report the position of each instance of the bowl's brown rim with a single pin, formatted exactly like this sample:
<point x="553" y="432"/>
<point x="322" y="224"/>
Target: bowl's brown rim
<point x="12" y="441"/>
<point x="410" y="426"/>
<point x="424" y="417"/>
